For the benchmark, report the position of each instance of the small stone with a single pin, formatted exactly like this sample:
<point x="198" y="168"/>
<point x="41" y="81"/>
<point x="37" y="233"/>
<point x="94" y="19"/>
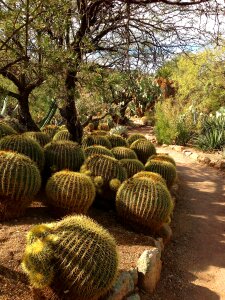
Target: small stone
<point x="133" y="297"/>
<point x="187" y="153"/>
<point x="178" y="148"/>
<point x="165" y="232"/>
<point x="164" y="145"/>
<point x="149" y="269"/>
<point x="123" y="286"/>
<point x="220" y="165"/>
<point x="204" y="159"/>
<point x="194" y="156"/>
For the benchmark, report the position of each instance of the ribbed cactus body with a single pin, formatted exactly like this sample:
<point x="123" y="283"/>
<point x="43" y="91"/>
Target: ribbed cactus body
<point x="132" y="166"/>
<point x="62" y="135"/>
<point x="152" y="175"/>
<point x="61" y="155"/>
<point x="70" y="192"/>
<point x="6" y="130"/>
<point x="14" y="124"/>
<point x="50" y="130"/>
<point x="99" y="132"/>
<point x="143" y="148"/>
<point x="123" y="152"/>
<point x="91" y="140"/>
<point x="97" y="149"/>
<point x="39" y="137"/>
<point x="162" y="157"/>
<point x="24" y="145"/>
<point x="117" y="141"/>
<point x="20" y="180"/>
<point x="134" y="137"/>
<point x="81" y="258"/>
<point x="166" y="169"/>
<point x="143" y="203"/>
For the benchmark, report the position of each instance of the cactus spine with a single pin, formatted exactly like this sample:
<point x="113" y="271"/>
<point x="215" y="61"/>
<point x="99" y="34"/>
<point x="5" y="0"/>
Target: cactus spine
<point x="143" y="148"/>
<point x="132" y="166"/>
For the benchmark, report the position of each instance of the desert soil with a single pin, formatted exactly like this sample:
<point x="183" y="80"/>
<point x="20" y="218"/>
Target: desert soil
<point x="193" y="261"/>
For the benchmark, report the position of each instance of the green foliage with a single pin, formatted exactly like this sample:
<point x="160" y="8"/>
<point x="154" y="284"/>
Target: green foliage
<point x="70" y="192"/>
<point x="117" y="141"/>
<point x="144" y="203"/>
<point x="123" y="152"/>
<point x="24" y="145"/>
<point x="135" y="136"/>
<point x="20" y="180"/>
<point x="166" y="169"/>
<point x="97" y="149"/>
<point x="91" y="140"/>
<point x="48" y="258"/>
<point x="61" y="155"/>
<point x="39" y="137"/>
<point x="143" y="148"/>
<point x="132" y="166"/>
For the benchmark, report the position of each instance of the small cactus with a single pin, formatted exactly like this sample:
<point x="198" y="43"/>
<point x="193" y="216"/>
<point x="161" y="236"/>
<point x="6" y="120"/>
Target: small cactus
<point x="61" y="155"/>
<point x="50" y="130"/>
<point x="117" y="140"/>
<point x="143" y="148"/>
<point x="144" y="203"/>
<point x="166" y="169"/>
<point x="97" y="149"/>
<point x="39" y="137"/>
<point x="132" y="166"/>
<point x="20" y="180"/>
<point x="154" y="176"/>
<point x="70" y="192"/>
<point x="134" y="137"/>
<point x="75" y="254"/>
<point x="91" y="140"/>
<point x="123" y="152"/>
<point x="163" y="157"/>
<point x="5" y="130"/>
<point x="62" y="135"/>
<point x="24" y="145"/>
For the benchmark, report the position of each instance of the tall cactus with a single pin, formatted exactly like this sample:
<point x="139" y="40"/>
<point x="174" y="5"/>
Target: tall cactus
<point x="24" y="145"/>
<point x="20" y="180"/>
<point x="40" y="137"/>
<point x="166" y="169"/>
<point x="61" y="155"/>
<point x="70" y="192"/>
<point x="134" y="137"/>
<point x="75" y="254"/>
<point x="132" y="166"/>
<point x="5" y="130"/>
<point x="144" y="203"/>
<point x="123" y="152"/>
<point x="91" y="140"/>
<point x="144" y="149"/>
<point x="97" y="149"/>
<point x="117" y="141"/>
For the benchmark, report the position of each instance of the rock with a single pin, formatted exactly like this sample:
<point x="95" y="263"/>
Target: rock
<point x="194" y="156"/>
<point x="204" y="159"/>
<point x="165" y="232"/>
<point x="159" y="244"/>
<point x="213" y="162"/>
<point x="134" y="275"/>
<point x="164" y="145"/>
<point x="149" y="269"/>
<point x="178" y="148"/>
<point x="220" y="164"/>
<point x="187" y="153"/>
<point x="123" y="286"/>
<point x="134" y="297"/>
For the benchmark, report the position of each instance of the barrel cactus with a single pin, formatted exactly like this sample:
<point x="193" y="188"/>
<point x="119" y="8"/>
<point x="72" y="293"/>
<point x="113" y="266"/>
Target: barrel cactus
<point x="144" y="203"/>
<point x="166" y="169"/>
<point x="40" y="137"/>
<point x="6" y="130"/>
<point x="99" y="132"/>
<point x="162" y="157"/>
<point x="50" y="130"/>
<point x="123" y="152"/>
<point x="143" y="148"/>
<point x="70" y="192"/>
<point x="103" y="126"/>
<point x="91" y="140"/>
<point x="61" y="155"/>
<point x="20" y="180"/>
<point x="134" y="137"/>
<point x="24" y="145"/>
<point x="62" y="135"/>
<point x="14" y="124"/>
<point x="97" y="149"/>
<point x="117" y="140"/>
<point x="154" y="176"/>
<point x="132" y="166"/>
<point x="75" y="254"/>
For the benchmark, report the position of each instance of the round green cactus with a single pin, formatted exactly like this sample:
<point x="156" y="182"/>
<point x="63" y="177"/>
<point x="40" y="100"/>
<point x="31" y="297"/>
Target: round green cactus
<point x="70" y="192"/>
<point x="20" y="180"/>
<point x="162" y="157"/>
<point x="40" y="137"/>
<point x="99" y="132"/>
<point x="14" y="124"/>
<point x="97" y="149"/>
<point x="117" y="140"/>
<point x="6" y="130"/>
<point x="61" y="155"/>
<point x="75" y="254"/>
<point x="62" y="135"/>
<point x="144" y="203"/>
<point x="123" y="152"/>
<point x="24" y="145"/>
<point x="166" y="169"/>
<point x="50" y="130"/>
<point x="91" y="140"/>
<point x="154" y="176"/>
<point x="134" y="137"/>
<point x="132" y="166"/>
<point x="143" y="148"/>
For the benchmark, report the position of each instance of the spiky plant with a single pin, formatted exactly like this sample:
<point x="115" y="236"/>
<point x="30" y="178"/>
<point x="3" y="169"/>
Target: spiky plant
<point x="143" y="148"/>
<point x="20" y="180"/>
<point x="75" y="254"/>
<point x="103" y="126"/>
<point x="166" y="169"/>
<point x="97" y="149"/>
<point x="5" y="130"/>
<point x="99" y="132"/>
<point x="162" y="157"/>
<point x="50" y="130"/>
<point x="134" y="137"/>
<point x="154" y="176"/>
<point x="70" y="192"/>
<point x="132" y="166"/>
<point x="123" y="152"/>
<point x="91" y="140"/>
<point x="61" y="155"/>
<point x="117" y="140"/>
<point x="144" y="203"/>
<point x="40" y="137"/>
<point x="14" y="124"/>
<point x="24" y="145"/>
<point x="62" y="135"/>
